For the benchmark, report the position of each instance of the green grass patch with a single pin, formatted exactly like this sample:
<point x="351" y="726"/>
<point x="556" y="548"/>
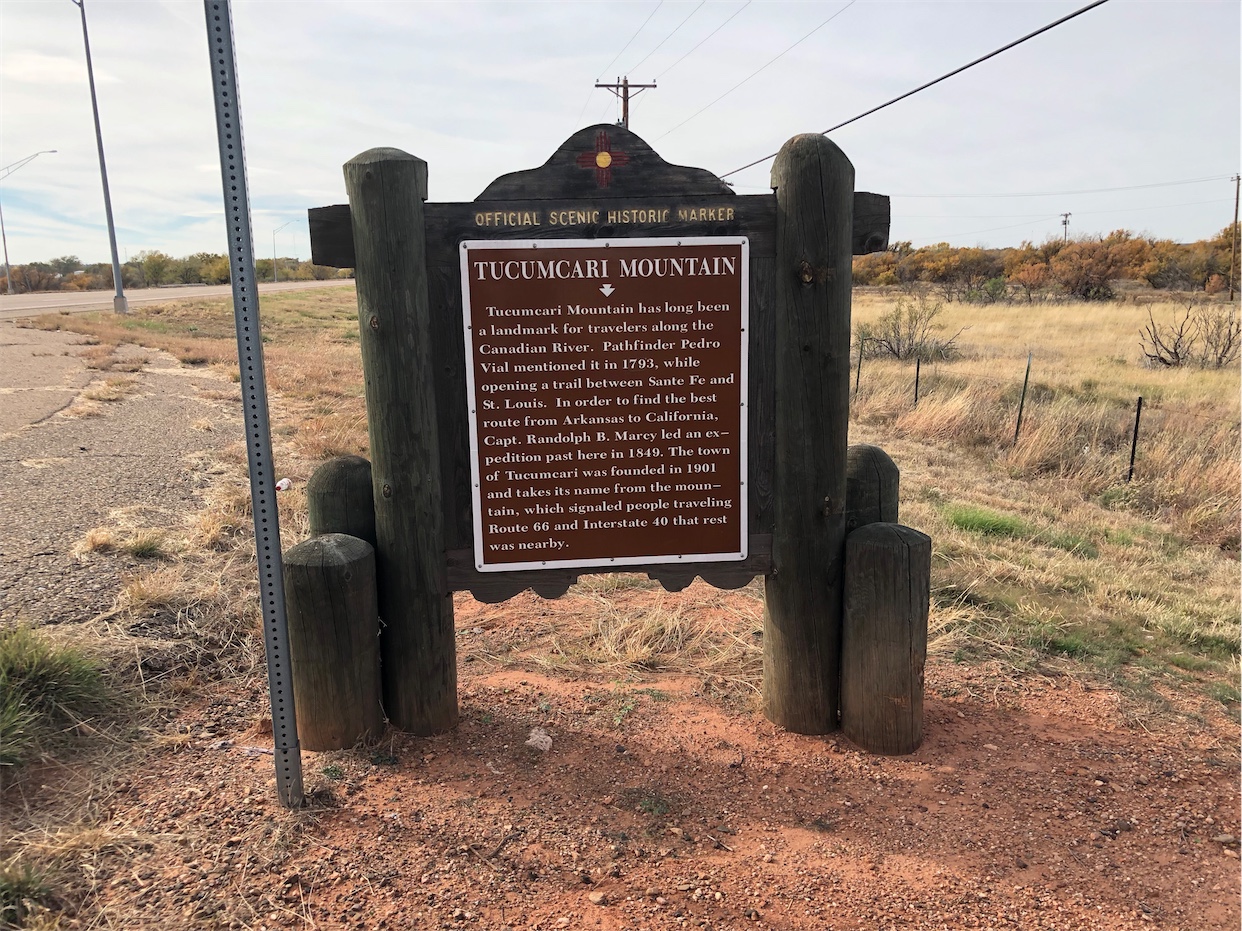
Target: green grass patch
<point x="1227" y="693"/>
<point x="986" y="522"/>
<point x="146" y="544"/>
<point x="21" y="885"/>
<point x="1070" y="542"/>
<point x="45" y="691"/>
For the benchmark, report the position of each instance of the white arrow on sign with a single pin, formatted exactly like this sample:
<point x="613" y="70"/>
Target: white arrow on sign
<point x="607" y="289"/>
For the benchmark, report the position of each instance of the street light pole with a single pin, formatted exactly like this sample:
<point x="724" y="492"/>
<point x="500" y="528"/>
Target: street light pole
<point x="119" y="304"/>
<point x="274" y="232"/>
<point x="8" y="170"/>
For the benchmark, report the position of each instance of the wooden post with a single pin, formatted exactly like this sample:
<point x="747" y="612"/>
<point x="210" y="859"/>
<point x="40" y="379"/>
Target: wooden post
<point x="1138" y="415"/>
<point x="339" y="498"/>
<point x="387" y="188"/>
<point x="872" y="483"/>
<point x="1022" y="401"/>
<point x="333" y="641"/>
<point x="858" y="372"/>
<point x="884" y="641"/>
<point x="814" y="184"/>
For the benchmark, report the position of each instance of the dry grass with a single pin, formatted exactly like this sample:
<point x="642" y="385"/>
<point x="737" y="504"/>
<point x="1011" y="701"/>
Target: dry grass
<point x="112" y="389"/>
<point x="1079" y="415"/>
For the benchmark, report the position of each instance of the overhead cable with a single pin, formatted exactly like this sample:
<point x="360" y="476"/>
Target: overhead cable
<point x="701" y="41"/>
<point x="748" y="77"/>
<point x="632" y="38"/>
<point x="923" y="87"/>
<point x="669" y="36"/>
<point x="1098" y="190"/>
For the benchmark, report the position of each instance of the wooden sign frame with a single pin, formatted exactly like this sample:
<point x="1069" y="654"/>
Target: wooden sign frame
<point x="639" y="195"/>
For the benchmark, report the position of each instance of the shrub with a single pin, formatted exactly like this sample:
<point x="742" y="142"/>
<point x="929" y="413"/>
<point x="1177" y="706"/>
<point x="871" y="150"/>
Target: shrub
<point x="908" y="331"/>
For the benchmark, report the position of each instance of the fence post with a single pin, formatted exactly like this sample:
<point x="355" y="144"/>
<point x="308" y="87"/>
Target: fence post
<point x="872" y="487"/>
<point x="1022" y="402"/>
<point x="814" y="184"/>
<point x="386" y="189"/>
<point x="333" y="641"/>
<point x="1138" y="413"/>
<point x="918" y="367"/>
<point x="339" y="498"/>
<point x="884" y="643"/>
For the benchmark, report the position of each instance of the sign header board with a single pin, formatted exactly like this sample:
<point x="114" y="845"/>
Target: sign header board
<point x="607" y="391"/>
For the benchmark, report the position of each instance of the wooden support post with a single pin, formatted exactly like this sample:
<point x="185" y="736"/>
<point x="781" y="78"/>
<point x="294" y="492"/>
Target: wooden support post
<point x="814" y="184"/>
<point x="872" y="483"/>
<point x="339" y="498"/>
<point x="884" y="641"/>
<point x="387" y="188"/>
<point x="1026" y="381"/>
<point x="333" y="641"/>
<point x="1138" y="416"/>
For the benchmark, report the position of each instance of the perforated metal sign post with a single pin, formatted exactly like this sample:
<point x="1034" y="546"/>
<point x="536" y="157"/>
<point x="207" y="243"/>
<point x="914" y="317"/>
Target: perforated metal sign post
<point x="607" y="391"/>
<point x="254" y="397"/>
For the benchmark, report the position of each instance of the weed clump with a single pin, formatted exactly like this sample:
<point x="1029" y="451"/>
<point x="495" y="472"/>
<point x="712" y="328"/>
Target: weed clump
<point x="45" y="692"/>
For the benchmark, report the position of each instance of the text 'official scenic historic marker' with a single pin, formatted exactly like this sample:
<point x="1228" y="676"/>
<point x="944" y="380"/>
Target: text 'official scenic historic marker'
<point x="607" y="393"/>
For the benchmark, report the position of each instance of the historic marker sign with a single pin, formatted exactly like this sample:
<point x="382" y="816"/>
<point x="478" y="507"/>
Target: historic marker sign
<point x="607" y="389"/>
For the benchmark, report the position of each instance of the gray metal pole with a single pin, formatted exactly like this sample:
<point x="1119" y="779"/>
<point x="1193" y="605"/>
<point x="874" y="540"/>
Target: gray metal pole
<point x="254" y="397"/>
<point x="119" y="304"/>
<point x="8" y="275"/>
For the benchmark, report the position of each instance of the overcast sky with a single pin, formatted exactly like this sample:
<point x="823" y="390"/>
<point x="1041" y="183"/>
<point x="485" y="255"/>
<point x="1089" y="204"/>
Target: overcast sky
<point x="1131" y="95"/>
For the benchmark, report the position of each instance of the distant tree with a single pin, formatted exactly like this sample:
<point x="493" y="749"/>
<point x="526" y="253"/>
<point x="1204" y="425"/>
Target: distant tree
<point x="157" y="268"/>
<point x="35" y="276"/>
<point x="216" y="270"/>
<point x="1030" y="277"/>
<point x="1085" y="269"/>
<point x="65" y="264"/>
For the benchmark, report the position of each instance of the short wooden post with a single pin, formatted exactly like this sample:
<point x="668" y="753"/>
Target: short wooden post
<point x="1022" y="401"/>
<point x="333" y="641"/>
<point x="1138" y="416"/>
<point x="387" y="188"/>
<point x="814" y="184"/>
<point x="872" y="485"/>
<point x="339" y="498"/>
<point x="884" y="641"/>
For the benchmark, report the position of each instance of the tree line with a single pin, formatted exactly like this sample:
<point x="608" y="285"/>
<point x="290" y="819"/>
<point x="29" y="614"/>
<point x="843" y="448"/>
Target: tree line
<point x="153" y="269"/>
<point x="1083" y="269"/>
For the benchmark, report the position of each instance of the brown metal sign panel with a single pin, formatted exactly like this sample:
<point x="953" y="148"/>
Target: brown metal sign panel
<point x="607" y="387"/>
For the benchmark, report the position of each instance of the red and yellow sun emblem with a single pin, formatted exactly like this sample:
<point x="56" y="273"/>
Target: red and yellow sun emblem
<point x="603" y="159"/>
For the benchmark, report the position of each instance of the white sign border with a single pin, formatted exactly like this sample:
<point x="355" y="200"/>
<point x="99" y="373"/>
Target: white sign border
<point x="743" y="438"/>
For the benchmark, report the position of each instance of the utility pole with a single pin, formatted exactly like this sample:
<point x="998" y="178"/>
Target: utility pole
<point x="119" y="304"/>
<point x="622" y="89"/>
<point x="1233" y="238"/>
<point x="1065" y="223"/>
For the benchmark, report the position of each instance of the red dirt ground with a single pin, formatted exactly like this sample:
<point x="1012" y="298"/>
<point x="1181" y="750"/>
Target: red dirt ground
<point x="1033" y="803"/>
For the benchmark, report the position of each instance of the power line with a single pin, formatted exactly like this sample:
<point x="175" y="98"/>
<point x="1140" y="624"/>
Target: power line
<point x="923" y="87"/>
<point x="1098" y="190"/>
<point x="744" y="80"/>
<point x="632" y="38"/>
<point x="669" y="36"/>
<point x="605" y="68"/>
<point x="701" y="41"/>
<point x="1036" y="219"/>
<point x="1016" y="216"/>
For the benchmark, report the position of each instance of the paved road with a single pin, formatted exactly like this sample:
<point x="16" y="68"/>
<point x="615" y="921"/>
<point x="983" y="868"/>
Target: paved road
<point x="13" y="306"/>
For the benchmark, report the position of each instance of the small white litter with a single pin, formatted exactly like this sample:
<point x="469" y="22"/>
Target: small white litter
<point x="539" y="739"/>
